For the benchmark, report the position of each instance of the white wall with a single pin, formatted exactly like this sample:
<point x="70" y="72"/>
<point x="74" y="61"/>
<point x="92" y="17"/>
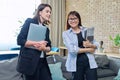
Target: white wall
<point x="10" y="12"/>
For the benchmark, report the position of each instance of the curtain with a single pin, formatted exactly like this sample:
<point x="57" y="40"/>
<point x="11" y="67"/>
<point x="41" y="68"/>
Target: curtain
<point x="57" y="25"/>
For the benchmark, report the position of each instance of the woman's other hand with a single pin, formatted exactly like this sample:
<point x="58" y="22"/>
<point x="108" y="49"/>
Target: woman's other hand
<point x="87" y="44"/>
<point x="91" y="50"/>
<point x="40" y="44"/>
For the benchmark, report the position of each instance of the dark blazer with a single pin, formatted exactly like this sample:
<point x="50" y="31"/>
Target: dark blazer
<point x="28" y="58"/>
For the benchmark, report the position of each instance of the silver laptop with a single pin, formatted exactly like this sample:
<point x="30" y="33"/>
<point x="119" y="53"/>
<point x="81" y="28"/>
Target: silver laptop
<point x="36" y="32"/>
<point x="89" y="33"/>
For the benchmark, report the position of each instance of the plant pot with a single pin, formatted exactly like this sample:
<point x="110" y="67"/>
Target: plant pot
<point x="101" y="50"/>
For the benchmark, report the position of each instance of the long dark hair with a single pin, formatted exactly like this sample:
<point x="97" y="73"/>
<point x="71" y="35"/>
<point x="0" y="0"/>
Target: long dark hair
<point x="40" y="8"/>
<point x="75" y="13"/>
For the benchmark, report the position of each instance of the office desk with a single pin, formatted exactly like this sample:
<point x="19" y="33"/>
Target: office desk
<point x="63" y="50"/>
<point x="52" y="53"/>
<point x="117" y="55"/>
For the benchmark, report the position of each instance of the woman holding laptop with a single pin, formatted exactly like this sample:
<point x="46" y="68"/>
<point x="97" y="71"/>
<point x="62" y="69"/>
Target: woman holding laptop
<point x="32" y="62"/>
<point x="80" y="60"/>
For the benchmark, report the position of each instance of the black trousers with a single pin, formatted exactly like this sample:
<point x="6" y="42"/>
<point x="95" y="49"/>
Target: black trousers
<point x="42" y="72"/>
<point x="83" y="71"/>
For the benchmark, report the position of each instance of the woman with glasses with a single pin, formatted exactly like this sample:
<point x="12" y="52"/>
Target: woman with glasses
<point x="80" y="61"/>
<point x="32" y="62"/>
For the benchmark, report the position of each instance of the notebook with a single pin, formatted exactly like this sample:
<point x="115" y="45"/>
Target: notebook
<point x="36" y="32"/>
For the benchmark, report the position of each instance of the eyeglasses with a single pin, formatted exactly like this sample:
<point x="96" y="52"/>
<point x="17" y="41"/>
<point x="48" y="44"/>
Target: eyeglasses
<point x="72" y="19"/>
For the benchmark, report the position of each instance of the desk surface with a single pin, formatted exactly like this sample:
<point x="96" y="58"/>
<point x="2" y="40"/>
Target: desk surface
<point x="117" y="55"/>
<point x="52" y="53"/>
<point x="62" y="47"/>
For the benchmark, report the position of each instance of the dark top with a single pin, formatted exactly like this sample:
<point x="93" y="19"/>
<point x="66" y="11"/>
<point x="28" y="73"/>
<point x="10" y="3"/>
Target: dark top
<point x="80" y="40"/>
<point x="28" y="57"/>
<point x="82" y="57"/>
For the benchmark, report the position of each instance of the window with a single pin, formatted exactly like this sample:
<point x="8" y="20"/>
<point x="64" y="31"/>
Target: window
<point x="13" y="11"/>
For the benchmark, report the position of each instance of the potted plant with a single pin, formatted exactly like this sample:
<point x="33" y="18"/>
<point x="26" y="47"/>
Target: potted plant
<point x="116" y="41"/>
<point x="101" y="47"/>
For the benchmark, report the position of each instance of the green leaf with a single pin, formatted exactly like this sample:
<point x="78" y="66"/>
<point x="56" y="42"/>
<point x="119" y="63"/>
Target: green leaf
<point x="110" y="37"/>
<point x="116" y="40"/>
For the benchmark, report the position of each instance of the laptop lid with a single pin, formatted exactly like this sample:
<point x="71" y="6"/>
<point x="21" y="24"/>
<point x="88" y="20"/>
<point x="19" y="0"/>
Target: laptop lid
<point x="36" y="32"/>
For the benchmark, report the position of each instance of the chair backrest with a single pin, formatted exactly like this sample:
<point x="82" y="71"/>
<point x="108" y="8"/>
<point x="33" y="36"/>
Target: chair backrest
<point x="7" y="56"/>
<point x="55" y="49"/>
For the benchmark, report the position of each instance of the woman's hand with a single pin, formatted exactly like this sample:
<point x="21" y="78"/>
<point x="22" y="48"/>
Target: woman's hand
<point x="89" y="47"/>
<point x="87" y="44"/>
<point x="42" y="47"/>
<point x="40" y="44"/>
<point x="91" y="50"/>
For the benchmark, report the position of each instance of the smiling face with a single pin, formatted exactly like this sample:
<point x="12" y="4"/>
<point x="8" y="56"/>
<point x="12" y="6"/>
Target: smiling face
<point x="45" y="14"/>
<point x="73" y="21"/>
